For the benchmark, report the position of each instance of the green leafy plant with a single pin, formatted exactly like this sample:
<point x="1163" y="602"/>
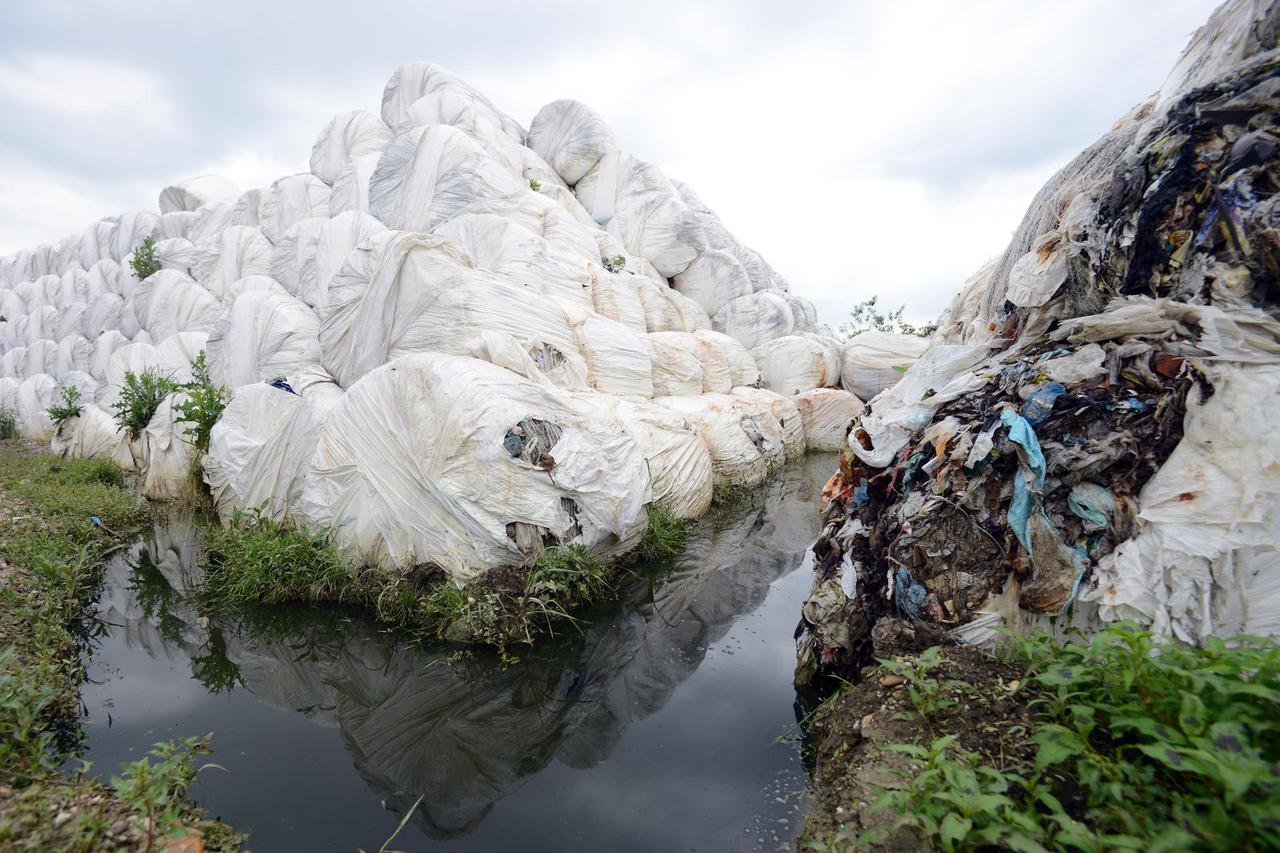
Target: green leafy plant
<point x="156" y="785"/>
<point x="929" y="696"/>
<point x="1142" y="743"/>
<point x="8" y="424"/>
<point x="615" y="264"/>
<point x="140" y="396"/>
<point x="143" y="260"/>
<point x="535" y="184"/>
<point x="866" y="316"/>
<point x="69" y="408"/>
<point x="203" y="405"/>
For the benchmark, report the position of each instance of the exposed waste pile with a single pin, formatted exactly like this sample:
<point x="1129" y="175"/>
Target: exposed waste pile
<point x="1091" y="433"/>
<point x="452" y="342"/>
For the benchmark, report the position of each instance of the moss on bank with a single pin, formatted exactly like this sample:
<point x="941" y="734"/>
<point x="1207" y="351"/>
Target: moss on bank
<point x="51" y="552"/>
<point x="1120" y="742"/>
<point x="255" y="560"/>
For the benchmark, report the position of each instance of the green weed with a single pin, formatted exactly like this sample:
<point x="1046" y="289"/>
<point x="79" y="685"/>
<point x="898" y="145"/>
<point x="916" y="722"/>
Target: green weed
<point x="143" y="260"/>
<point x="666" y="536"/>
<point x="140" y="396"/>
<point x="8" y="424"/>
<point x="203" y="405"/>
<point x="69" y="407"/>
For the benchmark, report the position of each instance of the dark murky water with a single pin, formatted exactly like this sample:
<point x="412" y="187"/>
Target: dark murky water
<point x="657" y="730"/>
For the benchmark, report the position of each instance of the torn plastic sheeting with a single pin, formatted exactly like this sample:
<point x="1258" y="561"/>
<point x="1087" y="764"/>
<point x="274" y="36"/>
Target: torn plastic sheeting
<point x="1031" y="472"/>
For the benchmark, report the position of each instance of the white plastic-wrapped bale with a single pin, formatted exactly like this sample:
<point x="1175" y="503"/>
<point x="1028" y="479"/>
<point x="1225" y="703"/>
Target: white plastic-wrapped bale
<point x="412" y="81"/>
<point x="827" y="413"/>
<point x="328" y="250"/>
<point x="677" y="458"/>
<point x="169" y="302"/>
<point x="34" y="397"/>
<point x="351" y="187"/>
<point x="745" y="442"/>
<point x="13" y="364"/>
<point x="167" y="452"/>
<point x="210" y="220"/>
<point x="135" y="358"/>
<point x="874" y="361"/>
<point x="755" y="318"/>
<point x="248" y="208"/>
<point x="431" y="174"/>
<point x="290" y="200"/>
<point x="93" y="434"/>
<point x="794" y="364"/>
<point x="42" y="357"/>
<point x="178" y="353"/>
<point x="194" y="193"/>
<point x="402" y="293"/>
<point x="9" y="394"/>
<point x="344" y="138"/>
<point x="619" y="360"/>
<point x="258" y="450"/>
<point x="130" y="231"/>
<point x="251" y="283"/>
<point x="633" y="199"/>
<point x="444" y="460"/>
<point x="782" y="410"/>
<point x="713" y="279"/>
<point x="263" y="336"/>
<point x="461" y="112"/>
<point x="742" y="365"/>
<point x="86" y="386"/>
<point x="677" y="370"/>
<point x="232" y="254"/>
<point x="717" y="373"/>
<point x="176" y="253"/>
<point x="291" y="250"/>
<point x="614" y="297"/>
<point x="70" y="320"/>
<point x="95" y="242"/>
<point x="512" y="249"/>
<point x="666" y="310"/>
<point x="571" y="137"/>
<point x="103" y="348"/>
<point x="175" y="225"/>
<point x="105" y="277"/>
<point x="74" y="353"/>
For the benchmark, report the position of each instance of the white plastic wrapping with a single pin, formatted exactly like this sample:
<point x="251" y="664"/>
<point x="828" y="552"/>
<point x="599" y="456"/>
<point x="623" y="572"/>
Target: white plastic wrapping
<point x="874" y="361"/>
<point x="794" y="364"/>
<point x="344" y="138"/>
<point x="827" y="413"/>
<point x="571" y="137"/>
<point x="410" y="468"/>
<point x="263" y="336"/>
<point x="755" y="318"/>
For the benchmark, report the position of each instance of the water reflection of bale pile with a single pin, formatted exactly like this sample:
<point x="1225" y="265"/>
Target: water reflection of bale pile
<point x="467" y="735"/>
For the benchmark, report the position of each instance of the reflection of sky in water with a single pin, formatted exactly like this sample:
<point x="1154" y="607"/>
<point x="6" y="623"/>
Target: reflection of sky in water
<point x="655" y="731"/>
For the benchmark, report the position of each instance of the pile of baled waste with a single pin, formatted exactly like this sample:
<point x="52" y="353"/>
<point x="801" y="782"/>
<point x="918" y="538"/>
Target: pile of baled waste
<point x="452" y="342"/>
<point x="1092" y="432"/>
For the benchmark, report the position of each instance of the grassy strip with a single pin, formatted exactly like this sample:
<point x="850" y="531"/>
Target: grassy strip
<point x="50" y="557"/>
<point x="1133" y="743"/>
<point x="254" y="560"/>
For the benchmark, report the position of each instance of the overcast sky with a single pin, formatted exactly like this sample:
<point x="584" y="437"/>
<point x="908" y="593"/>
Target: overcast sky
<point x="862" y="148"/>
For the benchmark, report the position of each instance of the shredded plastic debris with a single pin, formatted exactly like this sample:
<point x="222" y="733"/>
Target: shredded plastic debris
<point x="1084" y="436"/>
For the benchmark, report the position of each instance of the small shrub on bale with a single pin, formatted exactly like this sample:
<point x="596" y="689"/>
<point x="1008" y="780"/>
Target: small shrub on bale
<point x="144" y="261"/>
<point x="140" y="396"/>
<point x="68" y="409"/>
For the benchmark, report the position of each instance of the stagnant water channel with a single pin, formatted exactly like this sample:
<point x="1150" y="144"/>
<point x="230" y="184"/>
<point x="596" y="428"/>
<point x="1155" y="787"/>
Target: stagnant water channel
<point x="661" y="726"/>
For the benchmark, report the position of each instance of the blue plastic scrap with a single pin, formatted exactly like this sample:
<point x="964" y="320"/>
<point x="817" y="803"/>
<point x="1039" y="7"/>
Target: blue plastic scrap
<point x="283" y="384"/>
<point x="1031" y="467"/>
<point x="1040" y="404"/>
<point x="861" y="493"/>
<point x="908" y="594"/>
<point x="1094" y="504"/>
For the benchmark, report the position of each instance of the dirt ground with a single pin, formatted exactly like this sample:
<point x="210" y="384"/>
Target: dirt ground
<point x="849" y="733"/>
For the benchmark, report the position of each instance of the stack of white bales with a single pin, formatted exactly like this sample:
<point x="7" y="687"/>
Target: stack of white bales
<point x="496" y="339"/>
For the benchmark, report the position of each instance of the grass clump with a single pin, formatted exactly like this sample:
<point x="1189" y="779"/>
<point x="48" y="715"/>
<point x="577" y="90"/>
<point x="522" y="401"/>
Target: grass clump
<point x="8" y="424"/>
<point x="1140" y="743"/>
<point x="535" y="184"/>
<point x="69" y="407"/>
<point x="204" y="403"/>
<point x="258" y="560"/>
<point x="143" y="260"/>
<point x="140" y="397"/>
<point x="666" y="536"/>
